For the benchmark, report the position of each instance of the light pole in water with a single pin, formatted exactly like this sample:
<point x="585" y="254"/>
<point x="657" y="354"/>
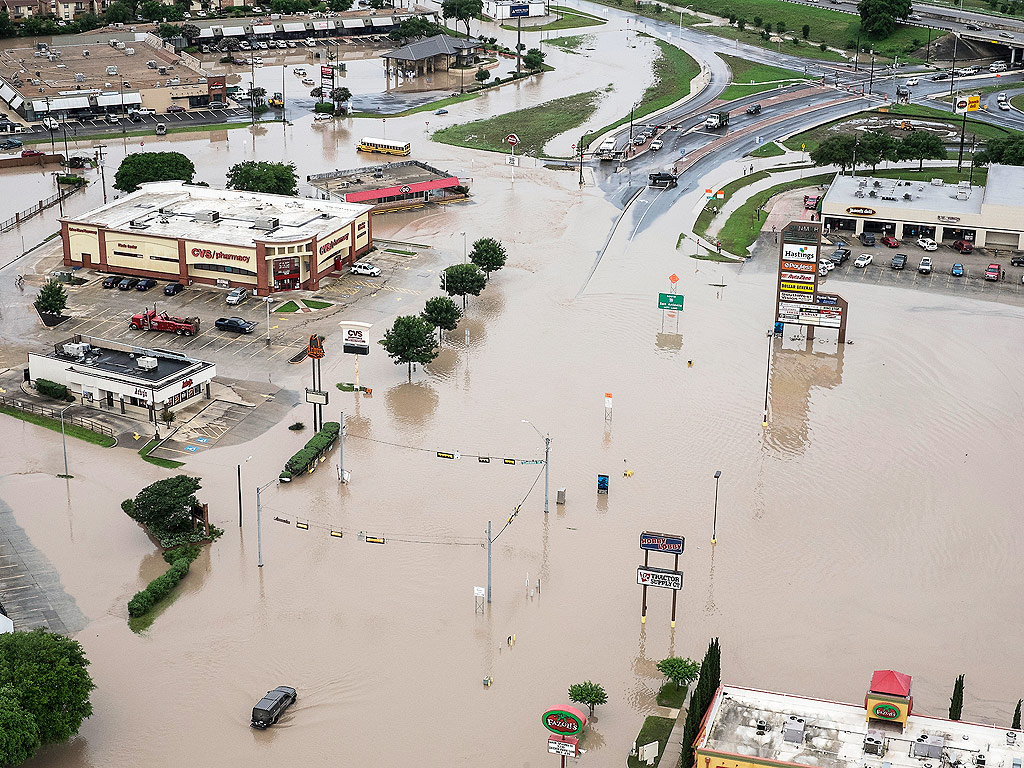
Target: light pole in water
<point x="547" y="449"/>
<point x="714" y="525"/>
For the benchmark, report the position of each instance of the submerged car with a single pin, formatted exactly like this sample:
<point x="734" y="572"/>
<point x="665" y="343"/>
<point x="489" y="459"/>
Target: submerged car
<point x="272" y="706"/>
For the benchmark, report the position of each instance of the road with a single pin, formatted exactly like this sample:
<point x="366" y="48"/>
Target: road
<point x="951" y="19"/>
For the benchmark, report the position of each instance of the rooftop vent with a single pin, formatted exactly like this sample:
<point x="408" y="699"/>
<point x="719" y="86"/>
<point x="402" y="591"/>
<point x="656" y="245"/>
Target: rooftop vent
<point x="147" y="363"/>
<point x="979" y="760"/>
<point x="874" y="742"/>
<point x="138" y="224"/>
<point x="907" y="196"/>
<point x="963" y="194"/>
<point x="762" y="727"/>
<point x="1011" y="737"/>
<point x="268" y="223"/>
<point x="929" y="746"/>
<point x="793" y="730"/>
<point x="859" y="193"/>
<point x="207" y="215"/>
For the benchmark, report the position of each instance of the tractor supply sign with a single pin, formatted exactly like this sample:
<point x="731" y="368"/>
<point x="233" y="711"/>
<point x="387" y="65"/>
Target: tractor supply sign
<point x="568" y="721"/>
<point x="659" y="577"/>
<point x="662" y="542"/>
<point x="886" y="711"/>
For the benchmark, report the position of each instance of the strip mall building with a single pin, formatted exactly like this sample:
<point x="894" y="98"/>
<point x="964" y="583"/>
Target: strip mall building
<point x="745" y="728"/>
<point x="174" y="231"/>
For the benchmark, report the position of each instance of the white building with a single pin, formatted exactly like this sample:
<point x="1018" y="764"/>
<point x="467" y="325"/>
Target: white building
<point x="501" y="10"/>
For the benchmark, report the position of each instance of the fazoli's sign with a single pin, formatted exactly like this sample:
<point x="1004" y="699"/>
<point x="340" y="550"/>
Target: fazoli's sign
<point x="567" y="721"/>
<point x="886" y="711"/>
<point x="206" y="253"/>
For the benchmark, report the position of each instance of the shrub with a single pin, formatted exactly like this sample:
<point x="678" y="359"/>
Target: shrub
<point x="140" y="604"/>
<point x="732" y="18"/>
<point x="161" y="586"/>
<point x="53" y="389"/>
<point x="741" y="23"/>
<point x="128" y="507"/>
<point x="187" y="552"/>
<point x="324" y="106"/>
<point x="298" y="426"/>
<point x="317" y="444"/>
<point x="757" y="21"/>
<point x="851" y="45"/>
<point x="824" y="47"/>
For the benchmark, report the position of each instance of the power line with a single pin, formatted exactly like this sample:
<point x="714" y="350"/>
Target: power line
<point x="518" y="506"/>
<point x="406" y="538"/>
<point x="483" y="459"/>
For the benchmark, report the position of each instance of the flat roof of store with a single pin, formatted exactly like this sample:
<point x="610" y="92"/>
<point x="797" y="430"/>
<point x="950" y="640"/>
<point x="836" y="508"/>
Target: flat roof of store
<point x="890" y="193"/>
<point x="1004" y="184"/>
<point x="378" y="177"/>
<point x="834" y="734"/>
<point x="170" y="209"/>
<point x="121" y="360"/>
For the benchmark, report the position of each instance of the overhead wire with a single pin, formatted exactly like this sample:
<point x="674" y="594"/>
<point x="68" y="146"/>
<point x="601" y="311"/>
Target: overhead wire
<point x="430" y="450"/>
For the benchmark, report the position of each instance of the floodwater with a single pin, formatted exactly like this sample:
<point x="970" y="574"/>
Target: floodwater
<point x="871" y="526"/>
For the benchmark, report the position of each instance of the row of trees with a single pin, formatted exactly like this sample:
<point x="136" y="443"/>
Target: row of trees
<point x="709" y="679"/>
<point x="411" y="338"/>
<point x="849" y="150"/>
<point x="249" y="175"/>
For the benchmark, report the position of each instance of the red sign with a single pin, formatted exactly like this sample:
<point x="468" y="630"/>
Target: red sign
<point x="421" y="186"/>
<point x="328" y="246"/>
<point x="567" y="721"/>
<point x="206" y="253"/>
<point x="512" y="139"/>
<point x="327" y="72"/>
<point x="186" y="383"/>
<point x="673" y="278"/>
<point x="315" y="349"/>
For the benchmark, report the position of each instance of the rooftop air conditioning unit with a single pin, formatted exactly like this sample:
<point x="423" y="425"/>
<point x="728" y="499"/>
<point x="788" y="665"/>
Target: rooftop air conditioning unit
<point x="907" y="196"/>
<point x="874" y="742"/>
<point x="208" y="216"/>
<point x="147" y="363"/>
<point x="268" y="223"/>
<point x="78" y="350"/>
<point x="963" y="194"/>
<point x="859" y="193"/>
<point x="929" y="746"/>
<point x="138" y="224"/>
<point x="793" y="730"/>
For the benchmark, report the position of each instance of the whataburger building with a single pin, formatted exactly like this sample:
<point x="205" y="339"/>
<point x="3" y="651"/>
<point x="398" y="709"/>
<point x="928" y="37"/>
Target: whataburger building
<point x="745" y="728"/>
<point x="192" y="234"/>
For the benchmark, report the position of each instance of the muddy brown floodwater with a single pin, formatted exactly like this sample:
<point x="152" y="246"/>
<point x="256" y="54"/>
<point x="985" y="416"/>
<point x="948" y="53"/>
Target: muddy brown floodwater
<point x="875" y="524"/>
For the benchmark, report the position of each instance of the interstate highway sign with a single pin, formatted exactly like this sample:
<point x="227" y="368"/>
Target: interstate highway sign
<point x="670" y="301"/>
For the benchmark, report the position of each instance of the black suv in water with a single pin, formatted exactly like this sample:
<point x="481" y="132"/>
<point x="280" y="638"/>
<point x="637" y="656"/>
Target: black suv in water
<point x="899" y="261"/>
<point x="271" y="706"/>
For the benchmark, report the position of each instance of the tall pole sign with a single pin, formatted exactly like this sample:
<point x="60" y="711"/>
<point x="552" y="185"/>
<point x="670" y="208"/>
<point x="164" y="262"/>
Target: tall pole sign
<point x="797" y="299"/>
<point x="317" y="397"/>
<point x="566" y="725"/>
<point x="647" y="576"/>
<point x="512" y="140"/>
<point x="517" y="12"/>
<point x="356" y="341"/>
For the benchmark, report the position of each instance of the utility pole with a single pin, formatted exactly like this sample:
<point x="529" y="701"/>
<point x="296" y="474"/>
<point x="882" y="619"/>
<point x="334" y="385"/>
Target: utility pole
<point x="871" y="77"/>
<point x="489" y="542"/>
<point x="547" y="466"/>
<point x="103" y="178"/>
<point x="582" y="184"/>
<point x="259" y="521"/>
<point x="856" y="59"/>
<point x="952" y="71"/>
<point x="341" y="447"/>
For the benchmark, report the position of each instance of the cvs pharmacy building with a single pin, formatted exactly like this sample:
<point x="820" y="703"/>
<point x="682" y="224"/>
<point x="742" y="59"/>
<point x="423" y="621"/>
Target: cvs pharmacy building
<point x="184" y="233"/>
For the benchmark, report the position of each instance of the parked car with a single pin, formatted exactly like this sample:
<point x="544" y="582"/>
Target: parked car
<point x="217" y="104"/>
<point x="993" y="271"/>
<point x="234" y="324"/>
<point x="11" y="144"/>
<point x="867" y="238"/>
<point x="1017" y="261"/>
<point x="927" y="244"/>
<point x="899" y="261"/>
<point x="863" y="260"/>
<point x="963" y="246"/>
<point x="656" y="145"/>
<point x="145" y="284"/>
<point x="50" y="123"/>
<point x="31" y="153"/>
<point x="839" y="256"/>
<point x="175" y="108"/>
<point x="925" y="267"/>
<point x="365" y="268"/>
<point x="127" y="283"/>
<point x="890" y="241"/>
<point x="272" y="706"/>
<point x="754" y="109"/>
<point x="825" y="266"/>
<point x="957" y="270"/>
<point x="322" y="117"/>
<point x="111" y="281"/>
<point x="237" y="296"/>
<point x="112" y="119"/>
<point x="173" y="289"/>
<point x="940" y="75"/>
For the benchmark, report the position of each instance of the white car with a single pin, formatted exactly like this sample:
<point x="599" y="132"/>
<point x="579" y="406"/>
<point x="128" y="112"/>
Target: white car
<point x="912" y="82"/>
<point x="863" y="260"/>
<point x="1004" y="105"/>
<point x="928" y="244"/>
<point x="825" y="266"/>
<point x="657" y="144"/>
<point x="365" y="268"/>
<point x="237" y="296"/>
<point x="322" y="116"/>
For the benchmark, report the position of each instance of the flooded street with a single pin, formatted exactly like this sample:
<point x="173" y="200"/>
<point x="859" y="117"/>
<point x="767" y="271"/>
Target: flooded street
<point x="871" y="526"/>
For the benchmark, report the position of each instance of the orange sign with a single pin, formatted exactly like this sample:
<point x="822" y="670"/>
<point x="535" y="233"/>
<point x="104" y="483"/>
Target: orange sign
<point x="316" y="347"/>
<point x="673" y="278"/>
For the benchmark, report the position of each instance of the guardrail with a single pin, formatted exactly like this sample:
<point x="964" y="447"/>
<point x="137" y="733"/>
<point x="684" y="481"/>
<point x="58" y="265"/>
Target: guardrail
<point x="54" y="413"/>
<point x="38" y="208"/>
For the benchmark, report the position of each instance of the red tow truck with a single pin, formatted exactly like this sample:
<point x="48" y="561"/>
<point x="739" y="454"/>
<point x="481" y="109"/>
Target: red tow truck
<point x="151" y="320"/>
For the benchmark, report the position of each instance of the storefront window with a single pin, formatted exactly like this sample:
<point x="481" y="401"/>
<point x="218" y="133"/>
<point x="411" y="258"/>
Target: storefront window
<point x="843" y="225"/>
<point x="286" y="274"/>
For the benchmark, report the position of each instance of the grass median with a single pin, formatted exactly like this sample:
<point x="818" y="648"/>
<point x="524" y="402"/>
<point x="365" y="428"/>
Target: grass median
<point x="569" y="43"/>
<point x="673" y="70"/>
<point x="654" y="729"/>
<point x="706" y="216"/>
<point x="69" y="429"/>
<point x="750" y="77"/>
<point x="771" y="149"/>
<point x="535" y="126"/>
<point x="165" y="463"/>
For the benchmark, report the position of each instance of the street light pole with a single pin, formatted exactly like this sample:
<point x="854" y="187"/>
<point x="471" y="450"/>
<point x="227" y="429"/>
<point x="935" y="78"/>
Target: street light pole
<point x="489" y="542"/>
<point x="240" y="491"/>
<point x="259" y="529"/>
<point x="64" y="440"/>
<point x="714" y="524"/>
<point x="547" y="464"/>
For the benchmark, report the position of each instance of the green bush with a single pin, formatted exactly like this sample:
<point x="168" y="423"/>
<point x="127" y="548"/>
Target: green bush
<point x="140" y="604"/>
<point x="53" y="389"/>
<point x="317" y="444"/>
<point x="128" y="506"/>
<point x="161" y="586"/>
<point x="324" y="106"/>
<point x="188" y="552"/>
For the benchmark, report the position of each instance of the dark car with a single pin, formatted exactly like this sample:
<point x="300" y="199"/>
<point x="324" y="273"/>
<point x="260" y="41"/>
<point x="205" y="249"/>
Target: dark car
<point x="234" y="324"/>
<point x="963" y="246"/>
<point x="839" y="256"/>
<point x="272" y="706"/>
<point x="111" y="281"/>
<point x="973" y="27"/>
<point x="899" y="261"/>
<point x="1017" y="261"/>
<point x="127" y="283"/>
<point x="175" y="108"/>
<point x="867" y="238"/>
<point x="754" y="109"/>
<point x="173" y="289"/>
<point x="890" y="241"/>
<point x="939" y="76"/>
<point x="145" y="284"/>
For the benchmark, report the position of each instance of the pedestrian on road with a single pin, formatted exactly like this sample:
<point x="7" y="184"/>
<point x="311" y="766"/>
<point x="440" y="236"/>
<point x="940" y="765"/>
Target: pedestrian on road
<point x="1004" y="274"/>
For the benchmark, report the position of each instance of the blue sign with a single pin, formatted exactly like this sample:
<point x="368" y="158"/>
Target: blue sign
<point x="602" y="483"/>
<point x="662" y="542"/>
<point x="518" y="10"/>
<point x="191" y="448"/>
<point x="202" y="439"/>
<point x="830" y="300"/>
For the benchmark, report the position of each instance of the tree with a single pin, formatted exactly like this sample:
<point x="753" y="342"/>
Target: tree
<point x="534" y="59"/>
<point x="1016" y="715"/>
<point x="741" y="23"/>
<point x="7" y="28"/>
<point x="878" y="17"/>
<point x="780" y="27"/>
<point x="416" y="26"/>
<point x="875" y="147"/>
<point x="679" y="670"/>
<point x="1006" y="151"/>
<point x="152" y="10"/>
<point x="48" y="675"/>
<point x="488" y="254"/>
<point x="956" y="701"/>
<point x="142" y="167"/>
<point x="806" y="31"/>
<point x="921" y="146"/>
<point x="19" y="735"/>
<point x="167" y="31"/>
<point x="261" y="176"/>
<point x="462" y="10"/>
<point x="482" y="75"/>
<point x="442" y="313"/>
<point x="707" y="683"/>
<point x="835" y="150"/>
<point x="462" y="280"/>
<point x="256" y="95"/>
<point x="339" y="6"/>
<point x="757" y="21"/>
<point x="167" y="506"/>
<point x="588" y="693"/>
<point x="190" y="32"/>
<point x="410" y="340"/>
<point x="118" y="13"/>
<point x="340" y="96"/>
<point x="52" y="298"/>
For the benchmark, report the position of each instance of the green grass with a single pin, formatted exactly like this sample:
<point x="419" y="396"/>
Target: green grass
<point x="571" y="18"/>
<point x="771" y="149"/>
<point x="948" y="175"/>
<point x="671" y="695"/>
<point x="654" y="729"/>
<point x="744" y="225"/>
<point x="535" y="126"/>
<point x="704" y="218"/>
<point x="569" y="43"/>
<point x="1017" y="101"/>
<point x="71" y="429"/>
<point x="314" y="304"/>
<point x="673" y="71"/>
<point x="165" y="463"/>
<point x="749" y="77"/>
<point x="400" y="253"/>
<point x="433" y="105"/>
<point x="288" y="306"/>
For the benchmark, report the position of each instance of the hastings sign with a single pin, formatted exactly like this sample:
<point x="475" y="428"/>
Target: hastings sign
<point x="567" y="721"/>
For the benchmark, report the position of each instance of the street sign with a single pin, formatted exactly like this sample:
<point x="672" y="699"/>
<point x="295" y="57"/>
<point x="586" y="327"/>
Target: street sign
<point x="670" y="301"/>
<point x="512" y="160"/>
<point x="673" y="278"/>
<point x="315" y="349"/>
<point x="659" y="577"/>
<point x="602" y="484"/>
<point x="662" y="542"/>
<point x="567" y="746"/>
<point x="511" y="139"/>
<point x="479" y="592"/>
<point x="518" y="10"/>
<point x="315" y="397"/>
<point x="449" y="455"/>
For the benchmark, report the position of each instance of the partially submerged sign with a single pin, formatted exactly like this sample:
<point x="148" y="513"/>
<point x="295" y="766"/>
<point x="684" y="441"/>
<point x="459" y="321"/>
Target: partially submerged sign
<point x="662" y="542"/>
<point x="659" y="577"/>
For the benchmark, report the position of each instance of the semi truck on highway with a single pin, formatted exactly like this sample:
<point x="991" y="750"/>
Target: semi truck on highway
<point x="717" y="120"/>
<point x="151" y="320"/>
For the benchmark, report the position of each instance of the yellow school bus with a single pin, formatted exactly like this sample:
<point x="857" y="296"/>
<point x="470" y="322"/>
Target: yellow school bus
<point x="384" y="147"/>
